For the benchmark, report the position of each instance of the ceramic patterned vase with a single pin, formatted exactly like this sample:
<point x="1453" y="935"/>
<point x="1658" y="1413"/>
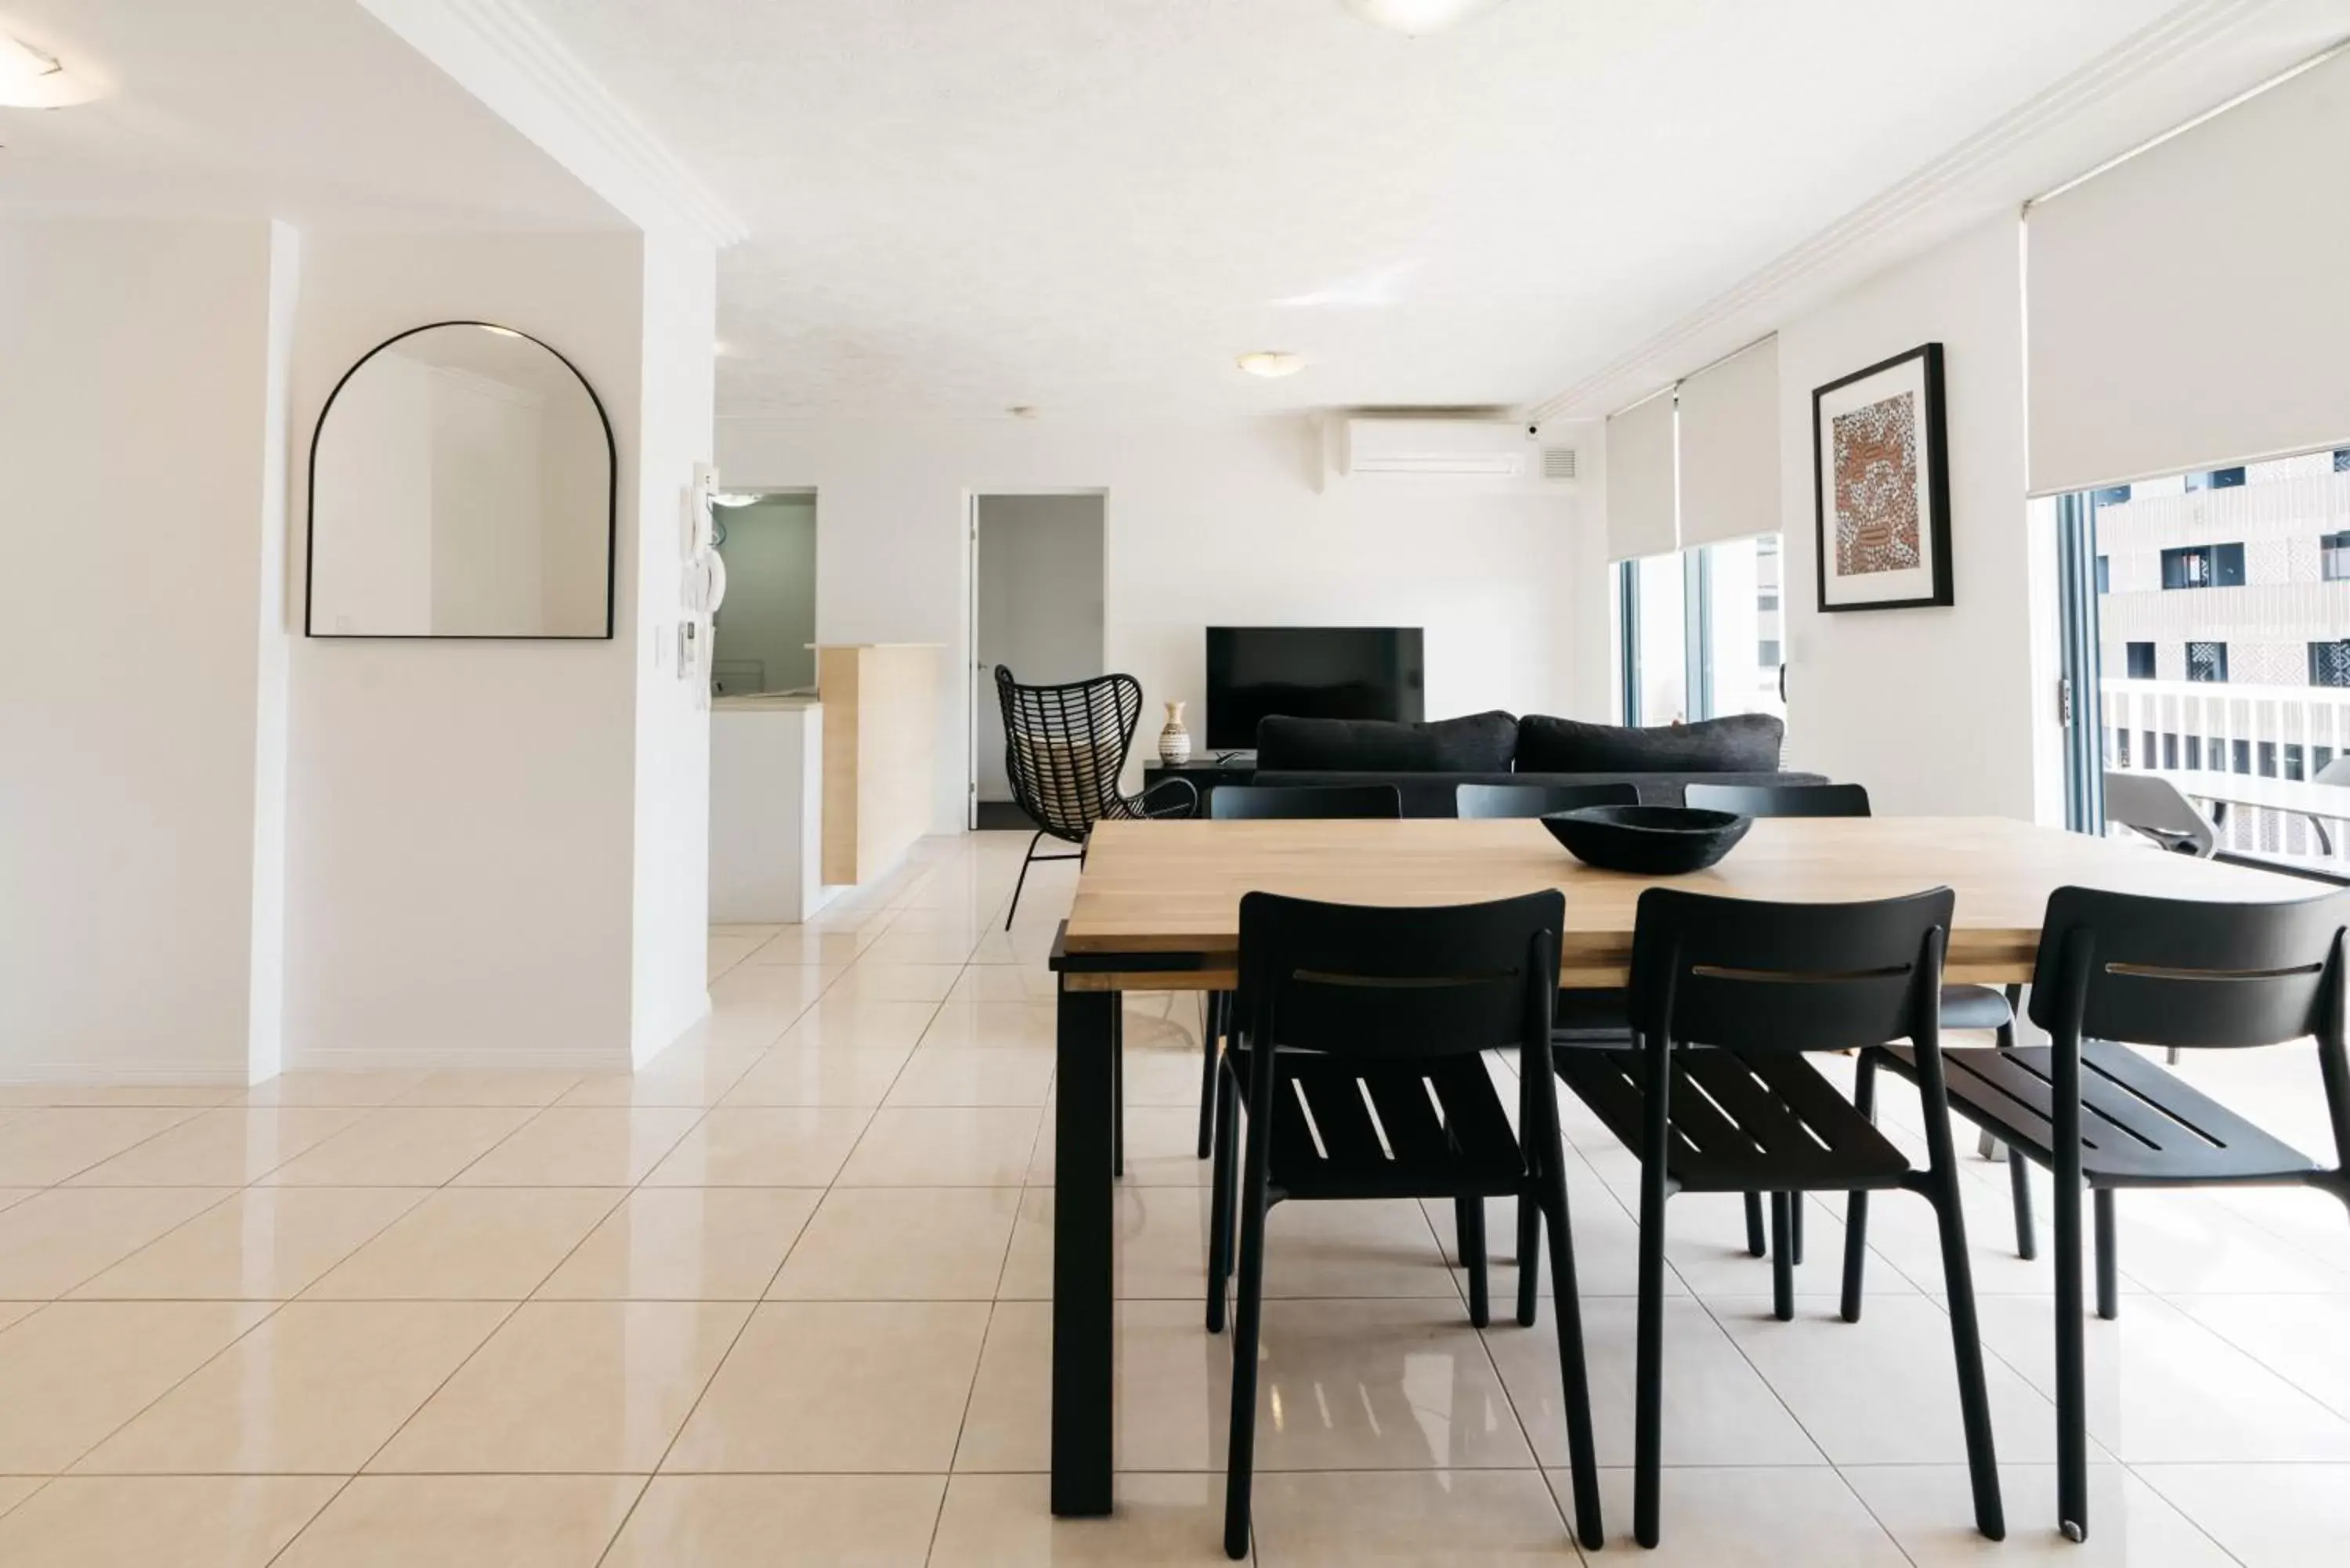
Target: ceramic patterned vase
<point x="1174" y="741"/>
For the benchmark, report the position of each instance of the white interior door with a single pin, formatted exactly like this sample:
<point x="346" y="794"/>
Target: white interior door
<point x="1036" y="593"/>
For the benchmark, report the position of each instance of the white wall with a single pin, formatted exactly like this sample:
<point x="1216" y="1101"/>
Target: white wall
<point x="1231" y="523"/>
<point x="141" y="708"/>
<point x="1039" y="565"/>
<point x="461" y="814"/>
<point x="1936" y="711"/>
<point x="672" y="818"/>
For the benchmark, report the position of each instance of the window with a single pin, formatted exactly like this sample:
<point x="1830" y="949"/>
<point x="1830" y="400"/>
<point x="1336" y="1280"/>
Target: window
<point x="2217" y="479"/>
<point x="2240" y="758"/>
<point x="2333" y="556"/>
<point x="2194" y="750"/>
<point x="2267" y="749"/>
<point x="2141" y="660"/>
<point x="2293" y="761"/>
<point x="2329" y="663"/>
<point x="2342" y="461"/>
<point x="2112" y="495"/>
<point x="2208" y="661"/>
<point x="2105" y="574"/>
<point x="2203" y="566"/>
<point x="1704" y="636"/>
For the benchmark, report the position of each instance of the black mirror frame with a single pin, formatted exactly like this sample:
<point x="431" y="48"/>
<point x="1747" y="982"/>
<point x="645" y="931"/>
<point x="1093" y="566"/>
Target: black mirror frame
<point x="611" y="506"/>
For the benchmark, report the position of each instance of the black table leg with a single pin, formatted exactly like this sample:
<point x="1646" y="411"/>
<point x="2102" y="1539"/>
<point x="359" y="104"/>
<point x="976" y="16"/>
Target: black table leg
<point x="1082" y="1132"/>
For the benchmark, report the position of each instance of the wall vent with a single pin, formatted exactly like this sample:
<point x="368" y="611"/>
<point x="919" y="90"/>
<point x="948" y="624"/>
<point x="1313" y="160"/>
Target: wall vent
<point x="1558" y="462"/>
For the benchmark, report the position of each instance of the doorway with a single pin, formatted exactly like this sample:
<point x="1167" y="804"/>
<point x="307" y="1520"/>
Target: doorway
<point x="762" y="634"/>
<point x="1036" y="609"/>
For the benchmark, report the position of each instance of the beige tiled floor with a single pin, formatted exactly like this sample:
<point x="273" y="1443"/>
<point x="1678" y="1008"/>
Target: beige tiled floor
<point x="783" y="1297"/>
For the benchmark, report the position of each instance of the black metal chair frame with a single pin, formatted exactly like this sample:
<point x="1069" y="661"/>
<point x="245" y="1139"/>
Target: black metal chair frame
<point x="2158" y="972"/>
<point x="1064" y="749"/>
<point x="1270" y="803"/>
<point x="1715" y="1097"/>
<point x="1481" y="801"/>
<point x="1963" y="1006"/>
<point x="1360" y="1046"/>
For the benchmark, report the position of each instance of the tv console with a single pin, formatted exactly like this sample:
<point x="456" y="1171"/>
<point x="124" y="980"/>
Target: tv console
<point x="1203" y="774"/>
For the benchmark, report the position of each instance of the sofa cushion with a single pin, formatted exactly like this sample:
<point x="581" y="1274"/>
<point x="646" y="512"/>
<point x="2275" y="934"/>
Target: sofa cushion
<point x="1479" y="742"/>
<point x="1742" y="743"/>
<point x="1431" y="794"/>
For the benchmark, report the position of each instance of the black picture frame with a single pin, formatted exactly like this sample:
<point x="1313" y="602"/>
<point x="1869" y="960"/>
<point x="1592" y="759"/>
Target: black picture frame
<point x="611" y="507"/>
<point x="1934" y="442"/>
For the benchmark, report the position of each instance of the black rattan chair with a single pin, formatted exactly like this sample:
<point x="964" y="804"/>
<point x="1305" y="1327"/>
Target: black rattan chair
<point x="1064" y="748"/>
<point x="1361" y="1053"/>
<point x="2165" y="972"/>
<point x="1715" y="1097"/>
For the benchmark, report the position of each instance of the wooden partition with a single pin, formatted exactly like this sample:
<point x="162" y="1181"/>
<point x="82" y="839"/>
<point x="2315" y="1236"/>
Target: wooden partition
<point x="880" y="737"/>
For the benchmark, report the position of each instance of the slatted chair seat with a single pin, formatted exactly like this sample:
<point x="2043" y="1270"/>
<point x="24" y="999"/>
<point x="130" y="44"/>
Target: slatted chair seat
<point x="1349" y="1127"/>
<point x="1741" y="1123"/>
<point x="2140" y="1127"/>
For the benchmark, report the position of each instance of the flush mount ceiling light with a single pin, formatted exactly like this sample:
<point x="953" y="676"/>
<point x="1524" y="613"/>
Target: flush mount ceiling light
<point x="1416" y="18"/>
<point x="31" y="80"/>
<point x="1272" y="364"/>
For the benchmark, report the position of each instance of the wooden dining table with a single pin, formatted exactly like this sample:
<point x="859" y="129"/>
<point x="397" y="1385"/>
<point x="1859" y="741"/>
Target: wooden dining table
<point x="1158" y="908"/>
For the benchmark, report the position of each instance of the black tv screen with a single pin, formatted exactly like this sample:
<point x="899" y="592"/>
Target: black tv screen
<point x="1310" y="673"/>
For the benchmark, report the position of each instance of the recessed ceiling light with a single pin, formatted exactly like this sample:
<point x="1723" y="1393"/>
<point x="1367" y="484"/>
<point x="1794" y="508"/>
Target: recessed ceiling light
<point x="1414" y="18"/>
<point x="31" y="80"/>
<point x="1272" y="363"/>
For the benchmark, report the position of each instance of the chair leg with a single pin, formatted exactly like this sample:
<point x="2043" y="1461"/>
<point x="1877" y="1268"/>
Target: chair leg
<point x="1958" y="1282"/>
<point x="2019" y="1182"/>
<point x="1568" y="1306"/>
<point x="1856" y="1208"/>
<point x="1245" y="1332"/>
<point x="2072" y="1375"/>
<point x="1756" y="1246"/>
<point x="2109" y="1273"/>
<point x="1219" y="1199"/>
<point x="1782" y="1258"/>
<point x="1211" y="1034"/>
<point x="1117" y="1091"/>
<point x="1796" y="1228"/>
<point x="1026" y="861"/>
<point x="1648" y="1388"/>
<point x="1469" y="1231"/>
<point x="1985" y="1145"/>
<point x="1530" y="1220"/>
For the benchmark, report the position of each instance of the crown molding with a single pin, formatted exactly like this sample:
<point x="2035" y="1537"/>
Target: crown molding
<point x="504" y="55"/>
<point x="2180" y="35"/>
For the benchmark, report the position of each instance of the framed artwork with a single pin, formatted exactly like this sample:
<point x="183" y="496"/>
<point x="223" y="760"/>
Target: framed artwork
<point x="1880" y="460"/>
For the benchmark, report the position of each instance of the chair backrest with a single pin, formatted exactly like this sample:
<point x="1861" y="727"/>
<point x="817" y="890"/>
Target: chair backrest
<point x="1486" y="800"/>
<point x="1751" y="975"/>
<point x="1381" y="981"/>
<point x="1780" y="800"/>
<point x="2154" y="808"/>
<point x="1065" y="746"/>
<point x="1254" y="802"/>
<point x="2183" y="972"/>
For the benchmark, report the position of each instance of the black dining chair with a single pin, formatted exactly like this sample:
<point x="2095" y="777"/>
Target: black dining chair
<point x="1715" y="1096"/>
<point x="1982" y="1007"/>
<point x="1485" y="800"/>
<point x="1270" y="802"/>
<point x="2116" y="970"/>
<point x="1359" y="1053"/>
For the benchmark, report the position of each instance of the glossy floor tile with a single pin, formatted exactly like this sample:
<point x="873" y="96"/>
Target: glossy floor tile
<point x="782" y="1296"/>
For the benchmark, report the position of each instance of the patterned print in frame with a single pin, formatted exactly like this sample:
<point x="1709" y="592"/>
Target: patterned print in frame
<point x="1882" y="487"/>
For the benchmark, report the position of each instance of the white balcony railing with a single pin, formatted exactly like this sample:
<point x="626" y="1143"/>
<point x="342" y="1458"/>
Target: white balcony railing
<point x="2276" y="731"/>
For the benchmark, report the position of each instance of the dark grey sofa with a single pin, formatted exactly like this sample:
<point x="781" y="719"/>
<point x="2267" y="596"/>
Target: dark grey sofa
<point x="1425" y="762"/>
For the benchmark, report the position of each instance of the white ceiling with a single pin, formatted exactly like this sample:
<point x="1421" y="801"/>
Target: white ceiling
<point x="305" y="110"/>
<point x="1092" y="206"/>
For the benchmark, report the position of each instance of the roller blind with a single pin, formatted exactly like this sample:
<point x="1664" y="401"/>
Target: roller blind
<point x="1641" y="497"/>
<point x="2188" y="307"/>
<point x="1730" y="448"/>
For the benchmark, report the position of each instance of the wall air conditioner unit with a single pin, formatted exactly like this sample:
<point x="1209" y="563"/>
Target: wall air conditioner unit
<point x="1452" y="448"/>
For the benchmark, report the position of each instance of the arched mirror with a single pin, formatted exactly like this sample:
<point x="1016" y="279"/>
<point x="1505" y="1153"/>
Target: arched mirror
<point x="461" y="486"/>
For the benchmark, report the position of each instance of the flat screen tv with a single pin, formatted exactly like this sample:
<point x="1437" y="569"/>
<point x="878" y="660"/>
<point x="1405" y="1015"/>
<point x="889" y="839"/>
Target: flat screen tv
<point x="1309" y="671"/>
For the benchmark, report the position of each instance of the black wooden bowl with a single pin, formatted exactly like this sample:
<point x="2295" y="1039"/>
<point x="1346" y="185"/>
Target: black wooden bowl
<point x="1650" y="840"/>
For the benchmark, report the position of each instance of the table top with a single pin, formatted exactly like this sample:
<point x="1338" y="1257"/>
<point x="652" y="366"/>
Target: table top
<point x="1174" y="887"/>
<point x="2325" y="800"/>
